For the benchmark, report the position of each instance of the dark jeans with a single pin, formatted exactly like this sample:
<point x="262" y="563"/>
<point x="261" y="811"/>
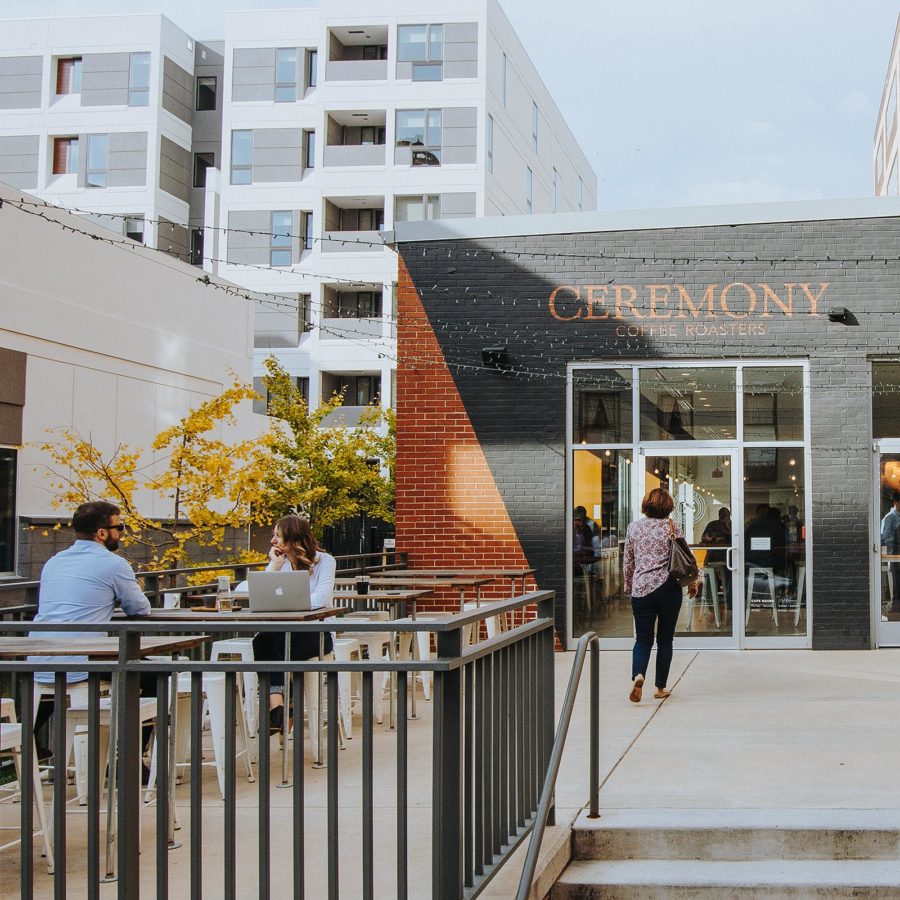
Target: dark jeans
<point x="304" y="645"/>
<point x="658" y="612"/>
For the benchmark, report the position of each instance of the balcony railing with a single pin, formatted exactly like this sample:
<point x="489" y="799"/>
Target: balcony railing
<point x="354" y="154"/>
<point x="488" y="747"/>
<point x="356" y="70"/>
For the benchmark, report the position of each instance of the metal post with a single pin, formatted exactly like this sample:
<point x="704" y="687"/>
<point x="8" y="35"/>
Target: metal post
<point x="59" y="785"/>
<point x="447" y="855"/>
<point x="595" y="731"/>
<point x="26" y="847"/>
<point x="129" y="769"/>
<point x="197" y="785"/>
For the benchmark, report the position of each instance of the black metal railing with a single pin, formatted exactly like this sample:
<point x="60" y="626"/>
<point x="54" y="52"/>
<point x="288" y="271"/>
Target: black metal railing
<point x="159" y="581"/>
<point x="490" y="743"/>
<point x="545" y="807"/>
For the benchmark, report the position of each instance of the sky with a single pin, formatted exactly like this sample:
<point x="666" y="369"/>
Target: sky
<point x="675" y="102"/>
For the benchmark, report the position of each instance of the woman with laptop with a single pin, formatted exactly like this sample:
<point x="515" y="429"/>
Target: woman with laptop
<point x="294" y="548"/>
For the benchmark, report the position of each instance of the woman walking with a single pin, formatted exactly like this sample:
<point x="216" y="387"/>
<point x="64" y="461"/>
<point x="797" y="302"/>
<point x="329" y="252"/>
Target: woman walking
<point x="294" y="548"/>
<point x="655" y="595"/>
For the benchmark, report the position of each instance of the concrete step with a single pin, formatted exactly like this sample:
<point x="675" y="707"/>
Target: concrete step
<point x="738" y="834"/>
<point x="668" y="879"/>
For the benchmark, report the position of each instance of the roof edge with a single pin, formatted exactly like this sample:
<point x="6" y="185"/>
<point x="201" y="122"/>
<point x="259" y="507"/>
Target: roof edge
<point x="644" y="219"/>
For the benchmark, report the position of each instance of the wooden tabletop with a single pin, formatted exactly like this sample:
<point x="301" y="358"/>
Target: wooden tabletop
<point x="99" y="647"/>
<point x="382" y="596"/>
<point x="203" y="613"/>
<point x="413" y="581"/>
<point x="453" y="573"/>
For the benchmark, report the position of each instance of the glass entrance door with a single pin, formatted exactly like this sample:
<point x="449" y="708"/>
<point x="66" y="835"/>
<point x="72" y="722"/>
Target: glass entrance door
<point x="887" y="543"/>
<point x="703" y="484"/>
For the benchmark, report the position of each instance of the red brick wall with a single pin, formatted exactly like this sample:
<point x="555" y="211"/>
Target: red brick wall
<point x="449" y="511"/>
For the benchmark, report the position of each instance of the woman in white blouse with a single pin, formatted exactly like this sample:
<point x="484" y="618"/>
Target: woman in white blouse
<point x="294" y="547"/>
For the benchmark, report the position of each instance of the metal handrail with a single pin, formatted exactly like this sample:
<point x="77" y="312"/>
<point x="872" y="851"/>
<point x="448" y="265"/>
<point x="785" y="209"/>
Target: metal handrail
<point x="546" y="801"/>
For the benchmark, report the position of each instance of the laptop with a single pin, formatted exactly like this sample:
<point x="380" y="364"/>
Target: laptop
<point x="278" y="591"/>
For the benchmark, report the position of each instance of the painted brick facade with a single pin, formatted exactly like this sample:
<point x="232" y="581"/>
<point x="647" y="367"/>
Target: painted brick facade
<point x="458" y="297"/>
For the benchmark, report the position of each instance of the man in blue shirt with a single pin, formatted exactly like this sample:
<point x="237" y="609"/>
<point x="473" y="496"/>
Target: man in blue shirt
<point x="890" y="544"/>
<point x="84" y="583"/>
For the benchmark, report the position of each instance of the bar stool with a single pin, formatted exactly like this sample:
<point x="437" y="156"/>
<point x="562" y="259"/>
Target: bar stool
<point x="710" y="591"/>
<point x="11" y="743"/>
<point x="346" y="649"/>
<point x="760" y="572"/>
<point x="241" y="648"/>
<point x="494" y="625"/>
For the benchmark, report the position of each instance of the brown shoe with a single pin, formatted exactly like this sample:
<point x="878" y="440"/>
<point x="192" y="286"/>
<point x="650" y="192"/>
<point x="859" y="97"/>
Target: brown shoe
<point x="637" y="689"/>
<point x="662" y="693"/>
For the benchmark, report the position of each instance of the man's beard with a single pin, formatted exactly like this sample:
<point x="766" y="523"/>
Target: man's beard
<point x="111" y="543"/>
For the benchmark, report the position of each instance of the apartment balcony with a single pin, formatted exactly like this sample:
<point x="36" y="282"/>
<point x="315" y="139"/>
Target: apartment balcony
<point x="355" y="138"/>
<point x="346" y="416"/>
<point x="357" y="53"/>
<point x="352" y="329"/>
<point x="352" y="225"/>
<point x="354" y="155"/>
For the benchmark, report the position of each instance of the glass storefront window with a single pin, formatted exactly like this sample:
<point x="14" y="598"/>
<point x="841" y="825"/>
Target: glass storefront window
<point x="774" y="541"/>
<point x="885" y="397"/>
<point x="7" y="509"/>
<point x="684" y="404"/>
<point x="773" y="404"/>
<point x="601" y="513"/>
<point x="602" y="406"/>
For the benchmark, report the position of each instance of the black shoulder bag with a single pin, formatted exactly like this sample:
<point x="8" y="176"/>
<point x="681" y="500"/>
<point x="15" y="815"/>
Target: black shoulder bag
<point x="682" y="565"/>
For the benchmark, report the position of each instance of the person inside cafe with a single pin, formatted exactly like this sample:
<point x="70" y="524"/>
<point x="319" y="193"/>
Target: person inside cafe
<point x="84" y="583"/>
<point x="294" y="547"/>
<point x="890" y="545"/>
<point x="718" y="534"/>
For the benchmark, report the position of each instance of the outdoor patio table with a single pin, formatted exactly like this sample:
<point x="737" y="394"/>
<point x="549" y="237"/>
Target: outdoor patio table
<point x="513" y="574"/>
<point x="108" y="648"/>
<point x="201" y="614"/>
<point x="432" y="583"/>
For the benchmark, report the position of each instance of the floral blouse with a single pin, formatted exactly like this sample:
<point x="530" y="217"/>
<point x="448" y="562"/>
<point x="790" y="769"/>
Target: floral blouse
<point x="647" y="549"/>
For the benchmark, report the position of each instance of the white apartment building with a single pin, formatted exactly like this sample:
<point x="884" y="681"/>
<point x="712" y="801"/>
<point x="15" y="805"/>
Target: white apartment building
<point x="886" y="143"/>
<point x="274" y="158"/>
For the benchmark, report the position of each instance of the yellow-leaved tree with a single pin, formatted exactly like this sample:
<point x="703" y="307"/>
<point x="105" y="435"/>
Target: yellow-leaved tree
<point x="322" y="468"/>
<point x="205" y="483"/>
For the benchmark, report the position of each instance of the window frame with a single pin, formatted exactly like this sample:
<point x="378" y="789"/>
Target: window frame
<point x="427" y="146"/>
<point x="290" y="86"/>
<point x="309" y="144"/>
<point x="241" y="167"/>
<point x="196" y="180"/>
<point x="529" y="190"/>
<point x="312" y="68"/>
<point x="136" y="91"/>
<point x="130" y="234"/>
<point x="280" y="241"/>
<point x="74" y="78"/>
<point x="205" y="92"/>
<point x="72" y="160"/>
<point x="428" y="201"/>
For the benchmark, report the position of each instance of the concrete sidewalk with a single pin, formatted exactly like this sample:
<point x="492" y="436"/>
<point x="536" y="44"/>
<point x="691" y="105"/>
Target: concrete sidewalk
<point x="773" y="730"/>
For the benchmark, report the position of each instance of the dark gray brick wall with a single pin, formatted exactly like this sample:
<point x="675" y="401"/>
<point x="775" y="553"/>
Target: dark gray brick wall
<point x="477" y="296"/>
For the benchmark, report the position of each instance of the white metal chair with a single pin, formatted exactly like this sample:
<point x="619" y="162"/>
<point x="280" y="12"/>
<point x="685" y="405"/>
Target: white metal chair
<point x="493" y="625"/>
<point x="753" y="573"/>
<point x="241" y="648"/>
<point x="11" y="743"/>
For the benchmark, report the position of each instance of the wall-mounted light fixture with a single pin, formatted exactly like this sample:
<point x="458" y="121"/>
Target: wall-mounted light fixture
<point x="839" y="314"/>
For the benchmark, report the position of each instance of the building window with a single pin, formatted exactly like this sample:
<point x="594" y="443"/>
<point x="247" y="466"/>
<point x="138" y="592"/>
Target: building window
<point x="241" y="157"/>
<point x="361" y="219"/>
<point x="308" y="238"/>
<point x="261" y="405"/>
<point x="312" y="68"/>
<point x="134" y="229"/>
<point x="97" y="160"/>
<point x="359" y="304"/>
<point x="65" y="155"/>
<point x="309" y="149"/>
<point x="529" y="190"/>
<point x="202" y="162"/>
<point x="68" y="76"/>
<point x="421" y="130"/>
<point x="555" y="190"/>
<point x="286" y="75"/>
<point x="423" y="46"/>
<point x="503" y="75"/>
<point x="139" y="80"/>
<point x="371" y="135"/>
<point x="196" y="246"/>
<point x="580" y="194"/>
<point x="490" y="144"/>
<point x="280" y="254"/>
<point x="534" y="126"/>
<point x="7" y="509"/>
<point x="418" y="208"/>
<point x="206" y="93"/>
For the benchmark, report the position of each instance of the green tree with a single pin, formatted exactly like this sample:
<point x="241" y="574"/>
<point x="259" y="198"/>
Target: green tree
<point x="327" y="472"/>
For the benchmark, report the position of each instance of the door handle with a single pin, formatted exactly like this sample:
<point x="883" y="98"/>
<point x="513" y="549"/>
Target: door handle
<point x="729" y="559"/>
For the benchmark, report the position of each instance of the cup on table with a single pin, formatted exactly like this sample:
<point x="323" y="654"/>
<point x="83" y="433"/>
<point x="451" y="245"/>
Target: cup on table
<point x="362" y="584"/>
<point x="171" y="600"/>
<point x="224" y="603"/>
<point x="223" y="584"/>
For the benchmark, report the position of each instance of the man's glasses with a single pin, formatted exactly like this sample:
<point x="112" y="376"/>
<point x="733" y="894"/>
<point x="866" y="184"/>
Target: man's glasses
<point x="120" y="528"/>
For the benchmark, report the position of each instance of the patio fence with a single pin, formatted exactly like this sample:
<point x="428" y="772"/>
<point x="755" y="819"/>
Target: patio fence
<point x="492" y="733"/>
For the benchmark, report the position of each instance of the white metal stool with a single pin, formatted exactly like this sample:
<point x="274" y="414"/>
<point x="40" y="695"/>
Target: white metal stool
<point x="11" y="743"/>
<point x="710" y="592"/>
<point x="760" y="572"/>
<point x="241" y="648"/>
<point x="345" y="650"/>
